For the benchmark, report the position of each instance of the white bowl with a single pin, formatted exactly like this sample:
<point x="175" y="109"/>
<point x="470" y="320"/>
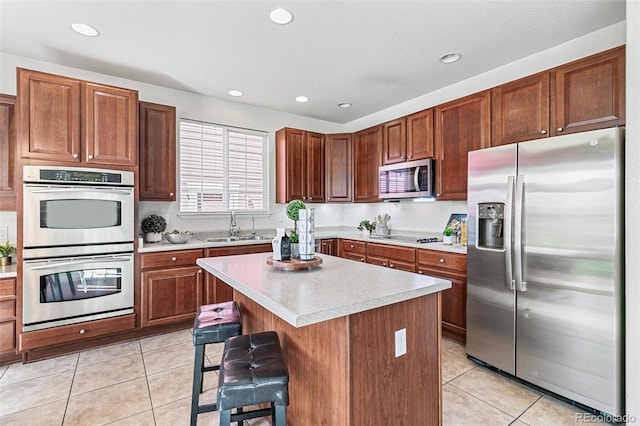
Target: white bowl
<point x="180" y="238"/>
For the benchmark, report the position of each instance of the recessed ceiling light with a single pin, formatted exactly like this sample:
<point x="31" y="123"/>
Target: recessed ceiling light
<point x="344" y="105"/>
<point x="84" y="29"/>
<point x="302" y="99"/>
<point x="235" y="93"/>
<point x="281" y="16"/>
<point x="450" y="58"/>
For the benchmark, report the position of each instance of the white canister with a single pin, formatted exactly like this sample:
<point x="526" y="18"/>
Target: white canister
<point x="306" y="225"/>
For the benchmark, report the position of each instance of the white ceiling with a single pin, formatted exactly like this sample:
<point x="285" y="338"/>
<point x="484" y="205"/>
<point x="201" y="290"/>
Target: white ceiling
<point x="374" y="54"/>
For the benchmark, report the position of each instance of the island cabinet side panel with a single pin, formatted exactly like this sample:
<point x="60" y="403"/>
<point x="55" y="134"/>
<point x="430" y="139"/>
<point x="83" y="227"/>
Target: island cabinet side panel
<point x="386" y="389"/>
<point x="317" y="359"/>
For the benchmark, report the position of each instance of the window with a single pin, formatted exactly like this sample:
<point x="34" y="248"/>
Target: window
<point x="222" y="169"/>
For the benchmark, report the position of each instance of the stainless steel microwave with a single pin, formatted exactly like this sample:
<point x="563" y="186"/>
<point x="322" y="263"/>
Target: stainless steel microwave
<point x="413" y="179"/>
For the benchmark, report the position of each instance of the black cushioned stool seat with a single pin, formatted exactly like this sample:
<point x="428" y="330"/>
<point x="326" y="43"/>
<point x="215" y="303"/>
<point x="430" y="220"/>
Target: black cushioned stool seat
<point x="253" y="371"/>
<point x="213" y="324"/>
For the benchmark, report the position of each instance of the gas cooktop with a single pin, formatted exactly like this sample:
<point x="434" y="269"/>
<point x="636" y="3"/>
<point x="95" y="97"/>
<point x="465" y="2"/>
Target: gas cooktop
<point x="428" y="240"/>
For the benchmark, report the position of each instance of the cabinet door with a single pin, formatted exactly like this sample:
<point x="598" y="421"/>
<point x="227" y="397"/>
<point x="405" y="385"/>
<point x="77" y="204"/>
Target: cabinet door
<point x="394" y="141"/>
<point x="454" y="304"/>
<point x="170" y="295"/>
<point x="158" y="149"/>
<point x="420" y="135"/>
<point x="462" y="125"/>
<point x="367" y="157"/>
<point x="290" y="165"/>
<point x="8" y="175"/>
<point x="49" y="114"/>
<point x="328" y="246"/>
<point x="339" y="158"/>
<point x="590" y="93"/>
<point x="521" y="110"/>
<point x="315" y="159"/>
<point x="110" y="130"/>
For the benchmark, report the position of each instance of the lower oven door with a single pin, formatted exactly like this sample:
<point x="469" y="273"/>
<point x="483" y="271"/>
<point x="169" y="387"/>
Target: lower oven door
<point x="71" y="290"/>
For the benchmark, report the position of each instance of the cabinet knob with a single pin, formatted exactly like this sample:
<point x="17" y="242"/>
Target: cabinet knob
<point x="362" y="259"/>
<point x="384" y="263"/>
<point x="82" y="331"/>
<point x="173" y="259"/>
<point x="410" y="156"/>
<point x="75" y="155"/>
<point x="543" y="132"/>
<point x="559" y="129"/>
<point x="199" y="271"/>
<point x="391" y="265"/>
<point x="441" y="260"/>
<point x="90" y="156"/>
<point x="171" y="194"/>
<point x="402" y="156"/>
<point x="351" y="245"/>
<point x="420" y="272"/>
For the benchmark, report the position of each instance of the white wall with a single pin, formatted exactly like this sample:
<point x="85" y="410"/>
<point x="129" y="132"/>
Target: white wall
<point x="632" y="232"/>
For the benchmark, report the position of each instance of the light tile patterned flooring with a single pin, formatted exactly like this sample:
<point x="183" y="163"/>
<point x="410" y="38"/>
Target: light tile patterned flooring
<point x="148" y="382"/>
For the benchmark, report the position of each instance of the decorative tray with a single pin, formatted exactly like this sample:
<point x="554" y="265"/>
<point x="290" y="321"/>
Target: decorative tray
<point x="294" y="264"/>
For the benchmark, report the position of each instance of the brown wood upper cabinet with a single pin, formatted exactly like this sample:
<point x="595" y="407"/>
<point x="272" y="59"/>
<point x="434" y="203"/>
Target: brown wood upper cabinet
<point x="462" y="125"/>
<point x="408" y="138"/>
<point x="8" y="175"/>
<point x="521" y="110"/>
<point x="367" y="157"/>
<point x="300" y="166"/>
<point x="158" y="149"/>
<point x="590" y="93"/>
<point x="74" y="121"/>
<point x="339" y="163"/>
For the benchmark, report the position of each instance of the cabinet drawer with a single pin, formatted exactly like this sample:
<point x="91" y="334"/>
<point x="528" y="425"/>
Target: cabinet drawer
<point x="352" y="246"/>
<point x="353" y="256"/>
<point x="168" y="259"/>
<point x="75" y="332"/>
<point x="8" y="287"/>
<point x="405" y="254"/>
<point x="437" y="259"/>
<point x="7" y="309"/>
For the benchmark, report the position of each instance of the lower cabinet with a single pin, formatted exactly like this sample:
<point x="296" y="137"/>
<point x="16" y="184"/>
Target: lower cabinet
<point x="352" y="250"/>
<point x="453" y="267"/>
<point x="7" y="317"/>
<point x="390" y="256"/>
<point x="327" y="246"/>
<point x="216" y="290"/>
<point x="172" y="287"/>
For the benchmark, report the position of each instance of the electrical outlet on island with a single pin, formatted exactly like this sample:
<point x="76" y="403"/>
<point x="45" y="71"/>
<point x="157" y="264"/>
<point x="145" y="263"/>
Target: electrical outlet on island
<point x="401" y="342"/>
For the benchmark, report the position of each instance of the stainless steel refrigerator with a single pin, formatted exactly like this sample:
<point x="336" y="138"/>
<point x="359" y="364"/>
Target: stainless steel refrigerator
<point x="545" y="264"/>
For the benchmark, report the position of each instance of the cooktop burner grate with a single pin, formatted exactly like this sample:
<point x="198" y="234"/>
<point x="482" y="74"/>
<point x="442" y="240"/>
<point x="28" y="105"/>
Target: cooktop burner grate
<point x="428" y="240"/>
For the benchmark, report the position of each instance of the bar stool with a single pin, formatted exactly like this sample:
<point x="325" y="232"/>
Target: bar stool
<point x="213" y="324"/>
<point x="253" y="371"/>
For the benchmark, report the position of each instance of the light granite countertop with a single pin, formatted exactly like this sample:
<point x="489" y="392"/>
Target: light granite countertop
<point x="199" y="241"/>
<point x="336" y="288"/>
<point x="10" y="271"/>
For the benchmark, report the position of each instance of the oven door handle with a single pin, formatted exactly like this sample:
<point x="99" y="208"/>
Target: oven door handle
<point x="82" y="189"/>
<point x="76" y="262"/>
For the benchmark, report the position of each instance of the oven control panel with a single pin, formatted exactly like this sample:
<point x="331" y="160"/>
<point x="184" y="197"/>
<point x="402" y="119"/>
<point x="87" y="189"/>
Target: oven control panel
<point x="40" y="174"/>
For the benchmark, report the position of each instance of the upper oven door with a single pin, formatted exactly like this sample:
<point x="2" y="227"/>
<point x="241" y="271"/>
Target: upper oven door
<point x="57" y="215"/>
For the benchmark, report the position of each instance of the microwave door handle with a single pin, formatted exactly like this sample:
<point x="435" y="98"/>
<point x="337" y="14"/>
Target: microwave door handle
<point x="416" y="178"/>
<point x="76" y="262"/>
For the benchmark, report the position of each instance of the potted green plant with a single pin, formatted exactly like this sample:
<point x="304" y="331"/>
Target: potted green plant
<point x="294" y="239"/>
<point x="293" y="208"/>
<point x="447" y="235"/>
<point x="6" y="251"/>
<point x="153" y="226"/>
<point x="366" y="227"/>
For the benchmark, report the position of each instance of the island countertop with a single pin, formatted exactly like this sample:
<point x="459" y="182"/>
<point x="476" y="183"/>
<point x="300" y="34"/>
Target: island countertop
<point x="336" y="288"/>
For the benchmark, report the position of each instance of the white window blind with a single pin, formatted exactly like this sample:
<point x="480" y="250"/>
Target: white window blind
<point x="222" y="169"/>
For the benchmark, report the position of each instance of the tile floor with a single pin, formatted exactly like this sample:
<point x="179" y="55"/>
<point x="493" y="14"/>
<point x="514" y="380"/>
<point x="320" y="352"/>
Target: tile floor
<point x="148" y="382"/>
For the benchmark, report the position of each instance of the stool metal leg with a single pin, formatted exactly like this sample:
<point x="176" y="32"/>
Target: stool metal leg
<point x="280" y="416"/>
<point x="197" y="383"/>
<point x="225" y="418"/>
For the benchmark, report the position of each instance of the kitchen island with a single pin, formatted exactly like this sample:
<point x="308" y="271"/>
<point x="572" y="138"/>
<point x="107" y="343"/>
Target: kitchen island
<point x="337" y="324"/>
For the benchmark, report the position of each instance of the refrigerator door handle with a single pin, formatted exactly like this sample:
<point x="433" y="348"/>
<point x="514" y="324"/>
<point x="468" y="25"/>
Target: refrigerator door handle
<point x="521" y="285"/>
<point x="508" y="228"/>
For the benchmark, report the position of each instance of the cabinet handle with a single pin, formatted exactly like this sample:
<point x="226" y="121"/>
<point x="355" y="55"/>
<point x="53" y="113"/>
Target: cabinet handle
<point x="441" y="260"/>
<point x="75" y="155"/>
<point x="559" y="129"/>
<point x="173" y="259"/>
<point x="90" y="156"/>
<point x="82" y="331"/>
<point x="543" y="132"/>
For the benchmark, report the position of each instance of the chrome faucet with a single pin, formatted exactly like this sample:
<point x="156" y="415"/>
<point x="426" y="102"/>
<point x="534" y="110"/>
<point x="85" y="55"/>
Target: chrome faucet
<point x="253" y="226"/>
<point x="234" y="230"/>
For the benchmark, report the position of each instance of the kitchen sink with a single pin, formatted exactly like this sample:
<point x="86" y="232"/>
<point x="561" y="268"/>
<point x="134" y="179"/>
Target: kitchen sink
<point x="231" y="239"/>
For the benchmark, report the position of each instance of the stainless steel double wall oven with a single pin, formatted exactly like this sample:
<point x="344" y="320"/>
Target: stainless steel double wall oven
<point x="78" y="231"/>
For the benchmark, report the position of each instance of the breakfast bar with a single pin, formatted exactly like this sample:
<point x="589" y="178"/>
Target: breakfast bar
<point x="341" y="326"/>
